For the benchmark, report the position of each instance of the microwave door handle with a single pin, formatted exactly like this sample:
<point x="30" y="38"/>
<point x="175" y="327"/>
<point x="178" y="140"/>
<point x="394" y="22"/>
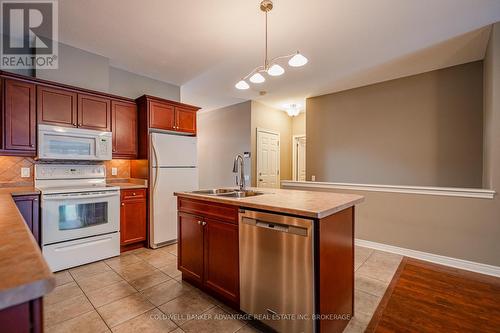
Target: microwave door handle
<point x="75" y="197"/>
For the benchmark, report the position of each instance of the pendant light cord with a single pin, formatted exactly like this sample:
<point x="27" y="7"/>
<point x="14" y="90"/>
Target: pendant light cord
<point x="265" y="59"/>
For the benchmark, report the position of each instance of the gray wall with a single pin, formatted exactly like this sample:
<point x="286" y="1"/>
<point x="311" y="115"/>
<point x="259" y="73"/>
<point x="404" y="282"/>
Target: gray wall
<point x="84" y="69"/>
<point x="222" y="134"/>
<point x="421" y="130"/>
<point x="464" y="228"/>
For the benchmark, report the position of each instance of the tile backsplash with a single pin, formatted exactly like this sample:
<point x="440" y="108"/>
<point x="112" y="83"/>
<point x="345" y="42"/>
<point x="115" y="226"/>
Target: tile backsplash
<point x="123" y="168"/>
<point x="10" y="170"/>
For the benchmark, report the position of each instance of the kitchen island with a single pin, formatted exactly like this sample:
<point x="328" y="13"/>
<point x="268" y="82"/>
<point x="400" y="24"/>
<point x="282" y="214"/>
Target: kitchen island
<point x="284" y="256"/>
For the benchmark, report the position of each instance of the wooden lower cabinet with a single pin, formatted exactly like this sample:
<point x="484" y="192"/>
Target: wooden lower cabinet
<point x="29" y="207"/>
<point x="132" y="219"/>
<point x="208" y="250"/>
<point x="23" y="318"/>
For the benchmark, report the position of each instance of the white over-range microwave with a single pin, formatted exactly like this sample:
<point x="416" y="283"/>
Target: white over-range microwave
<point x="64" y="143"/>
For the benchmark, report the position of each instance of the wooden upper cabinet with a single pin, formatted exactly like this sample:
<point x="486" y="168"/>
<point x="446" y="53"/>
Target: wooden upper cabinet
<point x="124" y="128"/>
<point x="56" y="106"/>
<point x="94" y="112"/>
<point x="185" y="120"/>
<point x="161" y="116"/>
<point x="19" y="132"/>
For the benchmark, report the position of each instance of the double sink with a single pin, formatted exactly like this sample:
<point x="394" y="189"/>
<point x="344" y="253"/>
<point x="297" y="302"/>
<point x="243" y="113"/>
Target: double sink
<point x="228" y="193"/>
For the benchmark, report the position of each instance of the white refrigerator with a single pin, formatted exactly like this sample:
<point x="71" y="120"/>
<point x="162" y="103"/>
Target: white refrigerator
<point x="173" y="169"/>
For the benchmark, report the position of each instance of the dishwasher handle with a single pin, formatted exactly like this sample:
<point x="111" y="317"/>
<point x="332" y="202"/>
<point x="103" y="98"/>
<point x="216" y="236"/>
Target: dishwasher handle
<point x="290" y="229"/>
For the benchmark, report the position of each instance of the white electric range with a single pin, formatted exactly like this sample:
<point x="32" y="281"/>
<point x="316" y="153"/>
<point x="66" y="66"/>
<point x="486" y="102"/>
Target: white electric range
<point x="80" y="214"/>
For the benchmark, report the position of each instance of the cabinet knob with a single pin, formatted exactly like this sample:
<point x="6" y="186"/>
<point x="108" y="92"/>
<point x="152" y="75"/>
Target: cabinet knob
<point x="123" y="203"/>
<point x="204" y="223"/>
<point x="199" y="222"/>
<point x="133" y="193"/>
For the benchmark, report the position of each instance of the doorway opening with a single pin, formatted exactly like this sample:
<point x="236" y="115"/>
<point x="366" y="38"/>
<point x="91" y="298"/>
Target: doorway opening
<point x="299" y="158"/>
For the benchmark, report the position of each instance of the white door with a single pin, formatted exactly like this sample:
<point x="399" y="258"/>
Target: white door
<point x="299" y="158"/>
<point x="166" y="181"/>
<point x="268" y="158"/>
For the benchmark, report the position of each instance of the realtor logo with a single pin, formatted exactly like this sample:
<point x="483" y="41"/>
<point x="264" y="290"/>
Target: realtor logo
<point x="29" y="34"/>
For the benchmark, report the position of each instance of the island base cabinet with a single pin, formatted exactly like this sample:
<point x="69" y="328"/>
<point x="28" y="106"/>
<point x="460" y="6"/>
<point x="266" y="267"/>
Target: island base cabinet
<point x="208" y="252"/>
<point x="190" y="247"/>
<point x="23" y="318"/>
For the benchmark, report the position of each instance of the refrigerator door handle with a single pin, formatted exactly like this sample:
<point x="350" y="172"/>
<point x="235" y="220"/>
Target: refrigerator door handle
<point x="156" y="163"/>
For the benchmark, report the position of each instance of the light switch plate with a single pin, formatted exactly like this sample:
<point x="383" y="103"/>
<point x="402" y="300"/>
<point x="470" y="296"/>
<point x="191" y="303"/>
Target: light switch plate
<point x="114" y="171"/>
<point x="313" y="178"/>
<point x="25" y="172"/>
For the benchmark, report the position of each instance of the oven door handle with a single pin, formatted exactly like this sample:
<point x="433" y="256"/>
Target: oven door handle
<point x="75" y="197"/>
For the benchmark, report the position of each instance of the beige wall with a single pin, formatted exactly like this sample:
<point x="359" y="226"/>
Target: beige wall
<point x="269" y="118"/>
<point x="420" y="130"/>
<point x="464" y="228"/>
<point x="222" y="134"/>
<point x="299" y="124"/>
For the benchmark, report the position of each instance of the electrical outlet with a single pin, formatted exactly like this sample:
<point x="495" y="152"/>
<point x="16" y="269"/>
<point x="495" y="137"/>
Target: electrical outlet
<point x="114" y="171"/>
<point x="313" y="178"/>
<point x="25" y="172"/>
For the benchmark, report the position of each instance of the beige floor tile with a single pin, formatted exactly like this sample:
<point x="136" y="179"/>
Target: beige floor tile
<point x="385" y="259"/>
<point x="89" y="322"/>
<point x="98" y="281"/>
<point x="361" y="254"/>
<point x="164" y="292"/>
<point x="178" y="330"/>
<point x="249" y="329"/>
<point x="150" y="280"/>
<point x="171" y="269"/>
<point x="376" y="271"/>
<point x="63" y="292"/>
<point x="210" y="322"/>
<point x="365" y="303"/>
<point x="64" y="310"/>
<point x="111" y="293"/>
<point x="160" y="258"/>
<point x="186" y="307"/>
<point x="63" y="277"/>
<point x="85" y="271"/>
<point x="122" y="260"/>
<point x="358" y="323"/>
<point x="135" y="271"/>
<point x="150" y="322"/>
<point x="369" y="285"/>
<point x="124" y="309"/>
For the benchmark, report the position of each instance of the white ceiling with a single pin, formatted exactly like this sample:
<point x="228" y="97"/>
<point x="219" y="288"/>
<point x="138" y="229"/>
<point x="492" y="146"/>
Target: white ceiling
<point x="206" y="46"/>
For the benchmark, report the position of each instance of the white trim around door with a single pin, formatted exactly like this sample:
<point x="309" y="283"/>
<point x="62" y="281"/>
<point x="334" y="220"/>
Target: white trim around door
<point x="262" y="178"/>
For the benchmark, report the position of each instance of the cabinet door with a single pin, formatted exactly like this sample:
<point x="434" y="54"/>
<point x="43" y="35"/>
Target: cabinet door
<point x="29" y="207"/>
<point x="221" y="273"/>
<point x="20" y="116"/>
<point x="94" y="112"/>
<point x="190" y="246"/>
<point x="132" y="221"/>
<point x="161" y="116"/>
<point x="56" y="106"/>
<point x="124" y="128"/>
<point x="185" y="120"/>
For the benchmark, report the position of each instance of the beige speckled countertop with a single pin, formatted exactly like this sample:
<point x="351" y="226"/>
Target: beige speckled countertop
<point x="128" y="183"/>
<point x="303" y="203"/>
<point x="24" y="274"/>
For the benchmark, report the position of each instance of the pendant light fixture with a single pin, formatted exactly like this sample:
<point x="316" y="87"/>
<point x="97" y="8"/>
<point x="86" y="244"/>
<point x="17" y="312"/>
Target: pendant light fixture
<point x="270" y="67"/>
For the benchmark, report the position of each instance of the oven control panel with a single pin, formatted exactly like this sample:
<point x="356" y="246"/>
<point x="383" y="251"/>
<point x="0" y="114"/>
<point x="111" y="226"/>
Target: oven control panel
<point x="66" y="171"/>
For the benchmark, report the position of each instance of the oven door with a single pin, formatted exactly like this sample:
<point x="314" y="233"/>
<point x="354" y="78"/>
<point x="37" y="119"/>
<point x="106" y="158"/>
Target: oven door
<point x="78" y="215"/>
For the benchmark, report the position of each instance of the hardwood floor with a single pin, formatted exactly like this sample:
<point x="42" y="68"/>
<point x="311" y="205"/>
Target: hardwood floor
<point x="425" y="297"/>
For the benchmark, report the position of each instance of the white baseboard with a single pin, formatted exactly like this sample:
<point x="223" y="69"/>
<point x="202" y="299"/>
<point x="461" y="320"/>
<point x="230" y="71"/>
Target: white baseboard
<point x="438" y="259"/>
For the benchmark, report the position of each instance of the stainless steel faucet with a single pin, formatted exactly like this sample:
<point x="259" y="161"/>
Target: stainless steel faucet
<point x="240" y="181"/>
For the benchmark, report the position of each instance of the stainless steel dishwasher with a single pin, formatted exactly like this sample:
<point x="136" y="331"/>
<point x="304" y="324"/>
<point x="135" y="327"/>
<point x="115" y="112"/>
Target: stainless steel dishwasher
<point x="277" y="270"/>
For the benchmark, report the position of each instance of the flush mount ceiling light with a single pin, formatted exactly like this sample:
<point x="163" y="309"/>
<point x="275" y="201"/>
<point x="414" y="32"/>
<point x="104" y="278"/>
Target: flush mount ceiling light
<point x="270" y="67"/>
<point x="292" y="109"/>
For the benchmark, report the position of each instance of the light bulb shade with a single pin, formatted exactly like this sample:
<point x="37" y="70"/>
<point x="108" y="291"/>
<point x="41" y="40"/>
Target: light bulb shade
<point x="242" y="85"/>
<point x="292" y="112"/>
<point x="297" y="60"/>
<point x="275" y="70"/>
<point x="257" y="78"/>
